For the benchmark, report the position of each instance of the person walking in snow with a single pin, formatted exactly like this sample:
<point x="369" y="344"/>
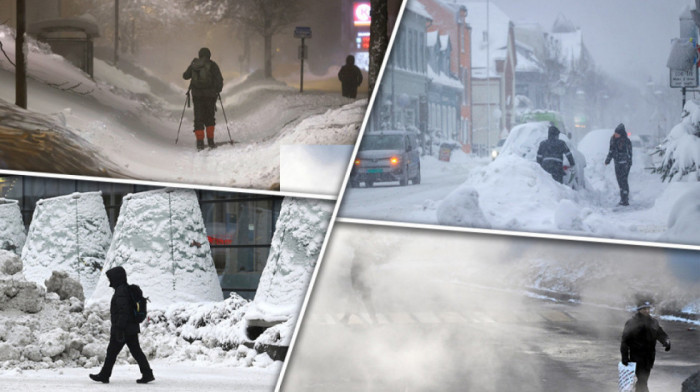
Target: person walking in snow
<point x="638" y="343"/>
<point x="621" y="152"/>
<point x="350" y="77"/>
<point x="550" y="155"/>
<point x="124" y="330"/>
<point x="206" y="84"/>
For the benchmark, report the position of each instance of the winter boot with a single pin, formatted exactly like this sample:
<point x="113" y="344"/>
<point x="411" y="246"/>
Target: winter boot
<point x="146" y="378"/>
<point x="199" y="135"/>
<point x="210" y="136"/>
<point x="624" y="198"/>
<point x="99" y="378"/>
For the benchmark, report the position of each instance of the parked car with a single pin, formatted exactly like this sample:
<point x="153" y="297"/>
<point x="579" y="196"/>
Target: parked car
<point x="497" y="150"/>
<point x="386" y="156"/>
<point x="524" y="140"/>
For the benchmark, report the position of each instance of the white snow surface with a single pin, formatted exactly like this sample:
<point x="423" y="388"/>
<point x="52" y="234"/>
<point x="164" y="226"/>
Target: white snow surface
<point x="682" y="146"/>
<point x="135" y="131"/>
<point x="12" y="234"/>
<point x="68" y="233"/>
<point x="161" y="242"/>
<point x="296" y="244"/>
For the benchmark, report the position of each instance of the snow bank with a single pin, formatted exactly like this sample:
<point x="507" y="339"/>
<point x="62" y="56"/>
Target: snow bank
<point x="296" y="244"/>
<point x="680" y="151"/>
<point x="12" y="235"/>
<point x="161" y="242"/>
<point x="515" y="194"/>
<point x="461" y="208"/>
<point x="71" y="234"/>
<point x="684" y="219"/>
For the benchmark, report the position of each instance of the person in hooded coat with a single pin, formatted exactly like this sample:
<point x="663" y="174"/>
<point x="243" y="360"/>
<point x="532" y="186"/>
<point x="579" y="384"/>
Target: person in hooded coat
<point x="621" y="152"/>
<point x="638" y="343"/>
<point x="350" y="77"/>
<point x="124" y="329"/>
<point x="550" y="155"/>
<point x="206" y="84"/>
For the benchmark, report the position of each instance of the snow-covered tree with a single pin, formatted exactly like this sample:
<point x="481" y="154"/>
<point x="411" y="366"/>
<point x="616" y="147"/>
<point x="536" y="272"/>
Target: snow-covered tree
<point x="680" y="151"/>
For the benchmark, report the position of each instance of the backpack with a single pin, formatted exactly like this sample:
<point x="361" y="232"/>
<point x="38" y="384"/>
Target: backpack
<point x="201" y="74"/>
<point x="140" y="303"/>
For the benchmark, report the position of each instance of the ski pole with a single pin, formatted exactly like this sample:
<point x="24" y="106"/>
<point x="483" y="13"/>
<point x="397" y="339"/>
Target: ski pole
<point x="187" y="104"/>
<point x="225" y="119"/>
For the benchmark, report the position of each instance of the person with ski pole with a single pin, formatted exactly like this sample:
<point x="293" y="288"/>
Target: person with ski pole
<point x="205" y="85"/>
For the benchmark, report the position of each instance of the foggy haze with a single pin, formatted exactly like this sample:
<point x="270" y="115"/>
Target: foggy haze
<point x="629" y="39"/>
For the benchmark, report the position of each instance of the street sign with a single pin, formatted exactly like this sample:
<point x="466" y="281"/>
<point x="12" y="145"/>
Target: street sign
<point x="302" y="32"/>
<point x="688" y="78"/>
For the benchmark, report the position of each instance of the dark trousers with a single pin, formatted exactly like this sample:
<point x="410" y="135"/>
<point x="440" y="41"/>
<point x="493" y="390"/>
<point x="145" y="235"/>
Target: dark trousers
<point x="554" y="168"/>
<point x="204" y="110"/>
<point x="622" y="171"/>
<point x="642" y="379"/>
<point x="113" y="349"/>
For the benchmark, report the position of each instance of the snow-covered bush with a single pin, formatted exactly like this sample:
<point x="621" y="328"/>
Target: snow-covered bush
<point x="161" y="242"/>
<point x="296" y="244"/>
<point x="680" y="151"/>
<point x="68" y="233"/>
<point x="12" y="235"/>
<point x="461" y="208"/>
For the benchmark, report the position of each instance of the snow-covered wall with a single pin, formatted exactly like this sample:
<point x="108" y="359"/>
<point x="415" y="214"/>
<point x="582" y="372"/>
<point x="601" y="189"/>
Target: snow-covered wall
<point x="161" y="242"/>
<point x="68" y="233"/>
<point x="12" y="234"/>
<point x="296" y="244"/>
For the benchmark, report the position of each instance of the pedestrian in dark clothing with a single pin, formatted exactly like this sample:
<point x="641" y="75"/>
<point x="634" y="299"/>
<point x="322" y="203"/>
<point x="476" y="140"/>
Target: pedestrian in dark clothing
<point x="639" y="343"/>
<point x="350" y="77"/>
<point x="206" y="85"/>
<point x="621" y="152"/>
<point x="124" y="329"/>
<point x="550" y="155"/>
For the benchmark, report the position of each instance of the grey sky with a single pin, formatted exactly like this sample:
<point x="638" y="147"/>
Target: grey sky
<point x="628" y="39"/>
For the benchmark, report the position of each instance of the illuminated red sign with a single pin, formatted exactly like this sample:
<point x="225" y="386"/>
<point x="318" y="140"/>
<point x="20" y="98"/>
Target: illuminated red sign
<point x="361" y="13"/>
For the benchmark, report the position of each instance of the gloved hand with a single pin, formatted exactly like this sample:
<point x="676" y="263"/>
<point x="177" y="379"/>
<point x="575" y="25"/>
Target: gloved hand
<point x="607" y="161"/>
<point x="121" y="338"/>
<point x="625" y="361"/>
<point x="668" y="345"/>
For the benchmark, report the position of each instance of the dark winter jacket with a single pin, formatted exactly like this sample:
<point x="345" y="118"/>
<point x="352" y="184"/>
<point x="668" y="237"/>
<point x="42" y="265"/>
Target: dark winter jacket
<point x="121" y="307"/>
<point x="350" y="77"/>
<point x="204" y="64"/>
<point x="620" y="148"/>
<point x="550" y="154"/>
<point x="639" y="340"/>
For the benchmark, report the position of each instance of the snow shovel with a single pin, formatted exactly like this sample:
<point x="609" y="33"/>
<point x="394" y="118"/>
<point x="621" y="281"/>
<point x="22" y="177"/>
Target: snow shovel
<point x="225" y="119"/>
<point x="187" y="104"/>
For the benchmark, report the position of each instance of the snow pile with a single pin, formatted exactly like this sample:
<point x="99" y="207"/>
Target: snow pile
<point x="515" y="193"/>
<point x="15" y="291"/>
<point x="296" y="244"/>
<point x="335" y="126"/>
<point x="71" y="234"/>
<point x="161" y="242"/>
<point x="12" y="235"/>
<point x="461" y="208"/>
<point x="684" y="219"/>
<point x="680" y="151"/>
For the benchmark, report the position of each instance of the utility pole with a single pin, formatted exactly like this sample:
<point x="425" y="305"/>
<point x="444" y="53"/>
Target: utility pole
<point x="116" y="31"/>
<point x="20" y="57"/>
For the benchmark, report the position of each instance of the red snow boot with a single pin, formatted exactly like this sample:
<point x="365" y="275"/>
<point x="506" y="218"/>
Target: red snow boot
<point x="199" y="135"/>
<point x="210" y="136"/>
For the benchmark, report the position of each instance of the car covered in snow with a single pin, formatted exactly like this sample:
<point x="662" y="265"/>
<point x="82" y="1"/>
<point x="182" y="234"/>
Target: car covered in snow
<point x="524" y="140"/>
<point x="386" y="156"/>
<point x="497" y="150"/>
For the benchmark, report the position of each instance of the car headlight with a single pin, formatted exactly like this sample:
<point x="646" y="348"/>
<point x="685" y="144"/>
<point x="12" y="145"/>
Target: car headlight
<point x="357" y="162"/>
<point x="394" y="161"/>
<point x="494" y="154"/>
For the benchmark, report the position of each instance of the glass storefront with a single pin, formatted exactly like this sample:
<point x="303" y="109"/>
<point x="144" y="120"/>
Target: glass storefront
<point x="239" y="226"/>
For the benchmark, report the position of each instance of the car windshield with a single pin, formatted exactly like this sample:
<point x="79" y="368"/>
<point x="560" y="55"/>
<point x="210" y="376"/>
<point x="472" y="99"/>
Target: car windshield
<point x="382" y="142"/>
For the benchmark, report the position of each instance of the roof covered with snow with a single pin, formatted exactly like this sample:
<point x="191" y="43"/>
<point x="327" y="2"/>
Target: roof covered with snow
<point x="445" y="80"/>
<point x="418" y="8"/>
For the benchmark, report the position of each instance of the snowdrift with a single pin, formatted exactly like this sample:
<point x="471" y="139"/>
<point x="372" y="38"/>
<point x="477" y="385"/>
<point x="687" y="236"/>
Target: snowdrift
<point x="296" y="244"/>
<point x="161" y="242"/>
<point x="12" y="234"/>
<point x="71" y="234"/>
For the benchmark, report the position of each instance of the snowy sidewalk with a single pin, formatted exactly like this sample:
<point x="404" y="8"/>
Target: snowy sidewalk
<point x="186" y="377"/>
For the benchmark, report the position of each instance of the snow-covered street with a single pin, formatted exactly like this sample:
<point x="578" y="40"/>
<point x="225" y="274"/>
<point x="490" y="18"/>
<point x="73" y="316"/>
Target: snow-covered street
<point x="184" y="376"/>
<point x="514" y="193"/>
<point x="133" y="129"/>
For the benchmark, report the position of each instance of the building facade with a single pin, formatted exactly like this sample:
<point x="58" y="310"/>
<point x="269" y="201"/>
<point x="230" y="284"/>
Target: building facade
<point x="239" y="226"/>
